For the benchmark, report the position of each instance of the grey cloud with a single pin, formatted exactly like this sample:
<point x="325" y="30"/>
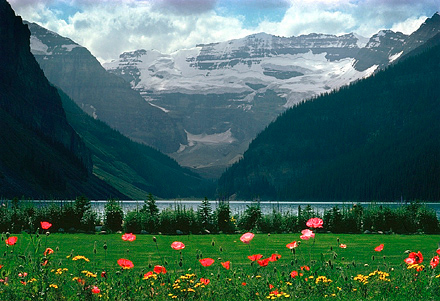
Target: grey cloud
<point x="185" y="7"/>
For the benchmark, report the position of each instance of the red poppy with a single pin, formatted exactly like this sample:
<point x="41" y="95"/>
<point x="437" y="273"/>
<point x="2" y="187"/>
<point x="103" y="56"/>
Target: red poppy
<point x="148" y="275"/>
<point x="44" y="263"/>
<point x="1" y="266"/>
<point x="342" y="246"/>
<point x="125" y="263"/>
<point x="294" y="274"/>
<point x="158" y="269"/>
<point x="247" y="237"/>
<point x="438" y="251"/>
<point x="255" y="257"/>
<point x="307" y="234"/>
<point x="11" y="240"/>
<point x="434" y="261"/>
<point x="129" y="237"/>
<point x="275" y="292"/>
<point x="104" y="274"/>
<point x="292" y="245"/>
<point x="95" y="290"/>
<point x="378" y="248"/>
<point x="226" y="264"/>
<point x="205" y="281"/>
<point x="263" y="262"/>
<point x="271" y="286"/>
<point x="274" y="257"/>
<point x="80" y="281"/>
<point x="414" y="258"/>
<point x="314" y="223"/>
<point x="305" y="268"/>
<point x="45" y="225"/>
<point x="48" y="251"/>
<point x="206" y="262"/>
<point x="177" y="245"/>
<point x="244" y="283"/>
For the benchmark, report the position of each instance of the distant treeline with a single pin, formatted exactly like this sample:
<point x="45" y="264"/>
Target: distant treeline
<point x="78" y="216"/>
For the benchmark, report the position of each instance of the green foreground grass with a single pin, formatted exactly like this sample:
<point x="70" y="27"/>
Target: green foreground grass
<point x="143" y="251"/>
<point x="244" y="280"/>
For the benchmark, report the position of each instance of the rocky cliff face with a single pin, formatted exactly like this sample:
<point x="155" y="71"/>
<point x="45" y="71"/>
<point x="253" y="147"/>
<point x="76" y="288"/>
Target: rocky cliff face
<point x="102" y="95"/>
<point x="41" y="155"/>
<point x="28" y="95"/>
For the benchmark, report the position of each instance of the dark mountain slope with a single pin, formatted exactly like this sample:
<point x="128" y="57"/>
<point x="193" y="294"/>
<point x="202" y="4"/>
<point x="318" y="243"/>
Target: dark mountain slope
<point x="134" y="169"/>
<point x="41" y="155"/>
<point x="102" y="94"/>
<point x="377" y="139"/>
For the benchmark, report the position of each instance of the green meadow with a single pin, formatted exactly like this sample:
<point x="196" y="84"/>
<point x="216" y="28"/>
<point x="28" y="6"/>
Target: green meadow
<point x="335" y="272"/>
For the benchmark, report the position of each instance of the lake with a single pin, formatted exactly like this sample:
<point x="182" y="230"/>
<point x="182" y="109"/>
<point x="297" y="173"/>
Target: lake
<point x="266" y="206"/>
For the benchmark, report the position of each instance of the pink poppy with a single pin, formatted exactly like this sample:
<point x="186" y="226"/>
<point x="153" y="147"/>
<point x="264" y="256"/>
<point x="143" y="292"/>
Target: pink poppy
<point x="95" y="290"/>
<point x="177" y="245"/>
<point x="206" y="262"/>
<point x="158" y="269"/>
<point x="247" y="237"/>
<point x="226" y="264"/>
<point x="129" y="237"/>
<point x="292" y="245"/>
<point x="45" y="225"/>
<point x="255" y="257"/>
<point x="314" y="223"/>
<point x="263" y="262"/>
<point x="378" y="248"/>
<point x="125" y="263"/>
<point x="434" y="261"/>
<point x="11" y="240"/>
<point x="414" y="258"/>
<point x="307" y="234"/>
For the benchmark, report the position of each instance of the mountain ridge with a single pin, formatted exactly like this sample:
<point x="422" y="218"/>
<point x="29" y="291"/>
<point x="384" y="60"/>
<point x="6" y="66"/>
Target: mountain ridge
<point x="376" y="139"/>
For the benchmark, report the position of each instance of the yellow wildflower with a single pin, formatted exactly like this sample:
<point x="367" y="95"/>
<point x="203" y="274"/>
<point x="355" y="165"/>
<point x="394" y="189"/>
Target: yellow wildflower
<point x="78" y="257"/>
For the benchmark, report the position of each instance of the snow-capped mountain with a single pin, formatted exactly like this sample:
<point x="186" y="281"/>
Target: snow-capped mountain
<point x="219" y="96"/>
<point x="312" y="63"/>
<point x="236" y="88"/>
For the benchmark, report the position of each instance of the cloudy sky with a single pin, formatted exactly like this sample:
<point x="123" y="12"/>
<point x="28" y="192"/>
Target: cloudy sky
<point x="109" y="27"/>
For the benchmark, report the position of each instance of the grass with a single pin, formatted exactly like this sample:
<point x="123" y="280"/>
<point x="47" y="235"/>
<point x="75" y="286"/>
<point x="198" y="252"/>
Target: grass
<point x="323" y="255"/>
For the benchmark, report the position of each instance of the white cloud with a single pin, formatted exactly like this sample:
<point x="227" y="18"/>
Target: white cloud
<point x="409" y="25"/>
<point x="109" y="27"/>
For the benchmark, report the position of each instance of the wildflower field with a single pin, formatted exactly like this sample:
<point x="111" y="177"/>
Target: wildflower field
<point x="310" y="265"/>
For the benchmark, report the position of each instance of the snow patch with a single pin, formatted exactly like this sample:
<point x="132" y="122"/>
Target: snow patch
<point x="394" y="57"/>
<point x="38" y="47"/>
<point x="163" y="109"/>
<point x="94" y="115"/>
<point x="219" y="138"/>
<point x="361" y="40"/>
<point x="69" y="47"/>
